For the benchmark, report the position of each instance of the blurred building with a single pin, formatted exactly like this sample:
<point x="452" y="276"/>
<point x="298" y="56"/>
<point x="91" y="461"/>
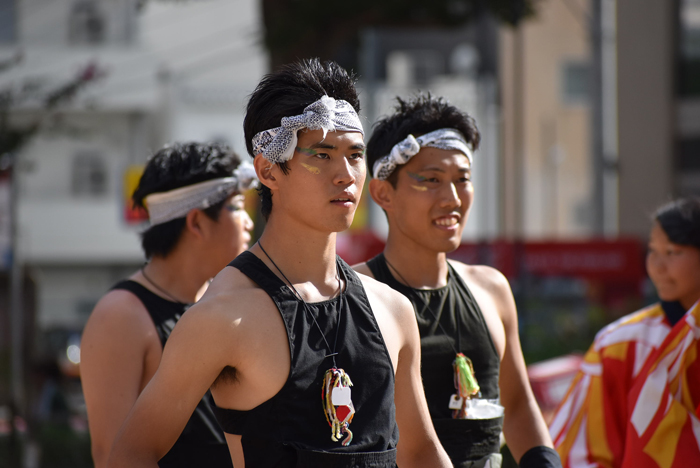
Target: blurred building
<point x="544" y="68"/>
<point x="556" y="181"/>
<point x="172" y="72"/>
<point x="659" y="106"/>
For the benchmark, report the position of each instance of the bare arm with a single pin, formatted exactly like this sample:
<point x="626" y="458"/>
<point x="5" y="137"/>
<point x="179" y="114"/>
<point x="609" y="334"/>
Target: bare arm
<point x="418" y="445"/>
<point x="192" y="359"/>
<point x="120" y="351"/>
<point x="523" y="424"/>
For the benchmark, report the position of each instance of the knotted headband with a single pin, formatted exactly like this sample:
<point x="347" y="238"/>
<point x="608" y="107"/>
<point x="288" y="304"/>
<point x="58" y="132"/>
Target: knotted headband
<point x="173" y="204"/>
<point x="277" y="144"/>
<point x="403" y="151"/>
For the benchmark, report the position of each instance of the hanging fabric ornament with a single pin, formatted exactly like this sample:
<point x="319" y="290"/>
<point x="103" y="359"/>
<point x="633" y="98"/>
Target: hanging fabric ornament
<point x="466" y="385"/>
<point x="337" y="404"/>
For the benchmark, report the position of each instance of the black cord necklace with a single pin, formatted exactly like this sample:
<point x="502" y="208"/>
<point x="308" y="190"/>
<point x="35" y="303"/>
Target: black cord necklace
<point x="163" y="290"/>
<point x="463" y="370"/>
<point x="335" y="391"/>
<point x="426" y="306"/>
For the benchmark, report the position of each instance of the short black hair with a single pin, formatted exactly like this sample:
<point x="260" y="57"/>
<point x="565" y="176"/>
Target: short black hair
<point x="179" y="165"/>
<point x="286" y="93"/>
<point x="680" y="220"/>
<point x="417" y="116"/>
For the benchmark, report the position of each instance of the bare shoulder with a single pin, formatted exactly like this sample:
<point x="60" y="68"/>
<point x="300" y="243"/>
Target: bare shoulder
<point x="362" y="268"/>
<point x="233" y="311"/>
<point x="230" y="298"/>
<point x="492" y="292"/>
<point x="483" y="276"/>
<point x="120" y="336"/>
<point x="119" y="312"/>
<point x="395" y="317"/>
<point x="386" y="300"/>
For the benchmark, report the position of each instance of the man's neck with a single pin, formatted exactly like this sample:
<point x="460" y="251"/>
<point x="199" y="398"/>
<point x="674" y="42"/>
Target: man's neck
<point x="413" y="264"/>
<point x="306" y="259"/>
<point x="175" y="277"/>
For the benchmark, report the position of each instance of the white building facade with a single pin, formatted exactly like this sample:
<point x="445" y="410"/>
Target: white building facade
<point x="172" y="71"/>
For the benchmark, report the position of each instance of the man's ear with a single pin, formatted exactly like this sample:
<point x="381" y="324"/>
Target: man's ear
<point x="265" y="171"/>
<point x="193" y="223"/>
<point x="382" y="193"/>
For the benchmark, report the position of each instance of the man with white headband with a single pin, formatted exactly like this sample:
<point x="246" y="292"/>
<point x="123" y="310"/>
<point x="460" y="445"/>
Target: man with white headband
<point x="310" y="364"/>
<point x="194" y="196"/>
<point x="421" y="160"/>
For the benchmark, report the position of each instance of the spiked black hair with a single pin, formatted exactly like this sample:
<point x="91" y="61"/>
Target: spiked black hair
<point x="285" y="93"/>
<point x="417" y="116"/>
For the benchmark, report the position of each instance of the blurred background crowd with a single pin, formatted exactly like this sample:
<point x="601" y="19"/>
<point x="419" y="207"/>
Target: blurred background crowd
<point x="589" y="112"/>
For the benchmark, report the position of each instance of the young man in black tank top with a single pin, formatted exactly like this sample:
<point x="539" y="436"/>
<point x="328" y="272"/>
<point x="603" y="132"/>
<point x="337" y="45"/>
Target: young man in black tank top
<point x="280" y="336"/>
<point x="198" y="224"/>
<point x="420" y="160"/>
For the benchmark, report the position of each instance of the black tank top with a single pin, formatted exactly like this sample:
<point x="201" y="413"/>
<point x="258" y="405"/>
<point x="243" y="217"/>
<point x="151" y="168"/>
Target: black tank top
<point x="453" y="304"/>
<point x="202" y="443"/>
<point x="290" y="429"/>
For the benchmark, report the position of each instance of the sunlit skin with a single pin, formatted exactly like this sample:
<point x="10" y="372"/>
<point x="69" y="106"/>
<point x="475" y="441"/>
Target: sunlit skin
<point x="235" y="326"/>
<point x="330" y="194"/>
<point x="674" y="269"/>
<point x="121" y="348"/>
<point x="427" y="211"/>
<point x="232" y="229"/>
<point x="430" y="204"/>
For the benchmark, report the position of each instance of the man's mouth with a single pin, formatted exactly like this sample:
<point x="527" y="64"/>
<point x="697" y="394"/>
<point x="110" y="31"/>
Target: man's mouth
<point x="447" y="221"/>
<point x="344" y="198"/>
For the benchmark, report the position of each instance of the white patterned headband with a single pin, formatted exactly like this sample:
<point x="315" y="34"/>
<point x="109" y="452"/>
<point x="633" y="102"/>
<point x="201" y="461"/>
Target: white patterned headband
<point x="173" y="204"/>
<point x="278" y="144"/>
<point x="403" y="151"/>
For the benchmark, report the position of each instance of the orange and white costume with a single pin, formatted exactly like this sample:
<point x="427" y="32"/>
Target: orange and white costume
<point x="634" y="403"/>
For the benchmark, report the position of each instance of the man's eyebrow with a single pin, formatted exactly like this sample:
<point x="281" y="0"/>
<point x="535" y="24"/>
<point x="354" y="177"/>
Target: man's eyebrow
<point x="322" y="145"/>
<point x="432" y="168"/>
<point x="439" y="169"/>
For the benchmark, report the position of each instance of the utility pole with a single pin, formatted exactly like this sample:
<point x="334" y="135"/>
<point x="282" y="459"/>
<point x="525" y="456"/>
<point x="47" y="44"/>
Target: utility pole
<point x="514" y="160"/>
<point x="596" y="106"/>
<point x="603" y="105"/>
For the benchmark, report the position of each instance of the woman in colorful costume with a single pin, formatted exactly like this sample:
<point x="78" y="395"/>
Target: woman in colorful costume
<point x="635" y="401"/>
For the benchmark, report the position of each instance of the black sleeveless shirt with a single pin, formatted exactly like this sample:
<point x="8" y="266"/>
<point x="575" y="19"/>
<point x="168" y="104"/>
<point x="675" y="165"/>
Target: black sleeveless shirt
<point x="290" y="429"/>
<point x="202" y="443"/>
<point x="449" y="318"/>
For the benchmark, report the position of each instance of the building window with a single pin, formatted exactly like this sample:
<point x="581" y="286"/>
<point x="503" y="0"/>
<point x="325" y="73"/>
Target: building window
<point x="689" y="48"/>
<point x="8" y="18"/>
<point x="87" y="24"/>
<point x="89" y="175"/>
<point x="575" y="82"/>
<point x="413" y="67"/>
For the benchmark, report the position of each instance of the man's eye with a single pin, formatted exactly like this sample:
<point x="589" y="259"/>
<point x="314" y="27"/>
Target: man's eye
<point x="357" y="155"/>
<point x="323" y="155"/>
<point x="232" y="208"/>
